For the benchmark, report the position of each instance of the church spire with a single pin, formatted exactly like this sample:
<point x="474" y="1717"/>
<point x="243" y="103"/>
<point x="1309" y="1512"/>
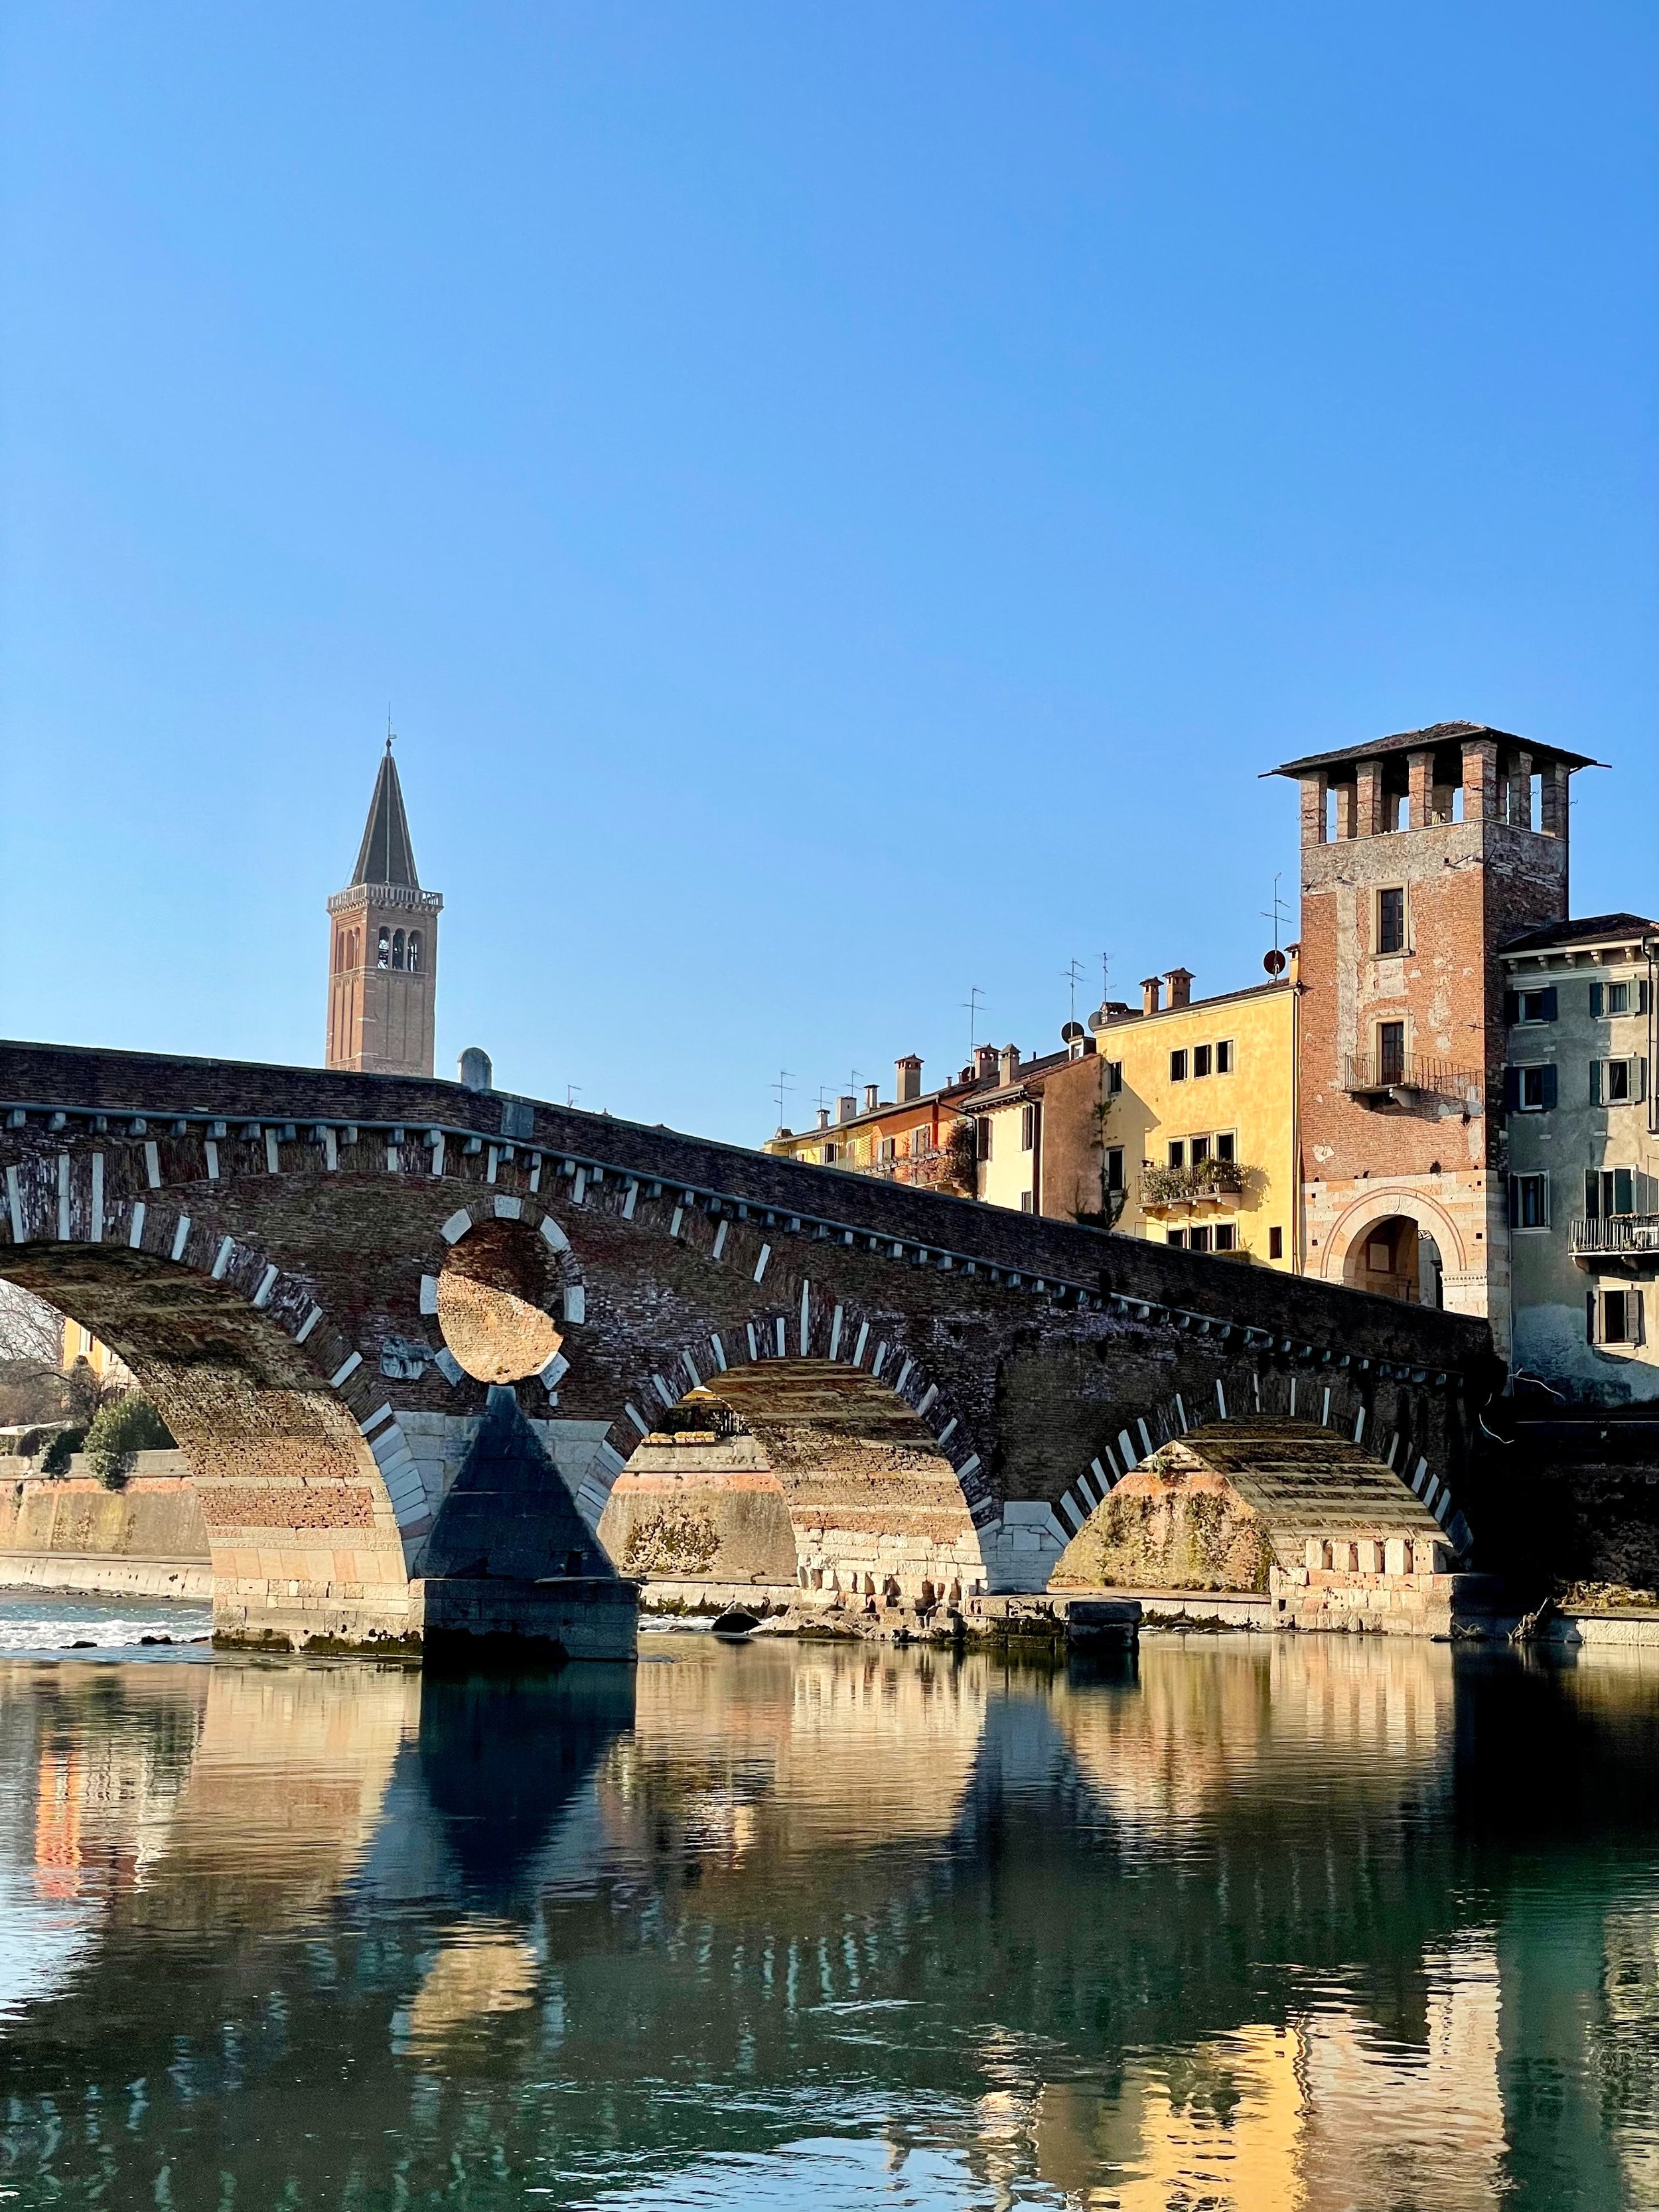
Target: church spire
<point x="383" y="947"/>
<point x="386" y="856"/>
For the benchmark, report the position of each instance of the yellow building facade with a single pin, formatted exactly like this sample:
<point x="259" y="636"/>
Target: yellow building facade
<point x="1176" y="1121"/>
<point x="1181" y="1124"/>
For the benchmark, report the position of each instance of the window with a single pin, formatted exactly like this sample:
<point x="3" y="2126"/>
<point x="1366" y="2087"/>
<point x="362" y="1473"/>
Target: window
<point x="1113" y="1078"/>
<point x="1529" y="1090"/>
<point x="919" y="1140"/>
<point x="1202" y="1054"/>
<point x="1276" y="1244"/>
<point x="1613" y="1316"/>
<point x="982" y="1137"/>
<point x="1224" y="1057"/>
<point x="1115" y="1166"/>
<point x="1225" y="1144"/>
<point x="1529" y="1201"/>
<point x="1614" y="998"/>
<point x="1027" y="1127"/>
<point x="1390" y="1052"/>
<point x="1225" y="1237"/>
<point x="1178" y="1152"/>
<point x="414" y="951"/>
<point x="1026" y="1205"/>
<point x="1175" y="1237"/>
<point x="1533" y="1006"/>
<point x="831" y="1154"/>
<point x="1197" y="1240"/>
<point x="1177" y="1067"/>
<point x="383" y="950"/>
<point x="887" y="1149"/>
<point x="1201" y="1152"/>
<point x="1618" y="1082"/>
<point x="1391" y="921"/>
<point x="1610" y="1191"/>
<point x="397" y="948"/>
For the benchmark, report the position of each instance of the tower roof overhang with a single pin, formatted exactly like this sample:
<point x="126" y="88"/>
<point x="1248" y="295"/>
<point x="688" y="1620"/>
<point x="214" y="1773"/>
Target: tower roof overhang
<point x="1437" y="733"/>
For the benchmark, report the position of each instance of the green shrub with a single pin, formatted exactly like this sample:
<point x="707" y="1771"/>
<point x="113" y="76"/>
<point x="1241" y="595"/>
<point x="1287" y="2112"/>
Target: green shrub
<point x="119" y="1431"/>
<point x="62" y="1449"/>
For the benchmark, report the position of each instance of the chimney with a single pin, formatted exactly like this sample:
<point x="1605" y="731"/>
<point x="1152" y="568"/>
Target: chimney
<point x="871" y="1097"/>
<point x="1152" y="989"/>
<point x="823" y="1117"/>
<point x="1180" y="981"/>
<point x="907" y="1072"/>
<point x="1008" y="1063"/>
<point x="985" y="1061"/>
<point x="846" y="1107"/>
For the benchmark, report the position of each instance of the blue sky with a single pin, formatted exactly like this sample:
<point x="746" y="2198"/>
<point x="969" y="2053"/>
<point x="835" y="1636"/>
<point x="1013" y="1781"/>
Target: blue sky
<point x="842" y="501"/>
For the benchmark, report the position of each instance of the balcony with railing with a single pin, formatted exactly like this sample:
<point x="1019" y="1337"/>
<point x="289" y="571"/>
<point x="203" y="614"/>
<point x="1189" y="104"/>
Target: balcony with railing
<point x="1208" y="1182"/>
<point x="1403" y="1076"/>
<point x="1631" y="1238"/>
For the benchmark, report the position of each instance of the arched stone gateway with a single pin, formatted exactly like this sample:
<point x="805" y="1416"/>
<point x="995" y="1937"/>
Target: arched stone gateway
<point x="323" y="1277"/>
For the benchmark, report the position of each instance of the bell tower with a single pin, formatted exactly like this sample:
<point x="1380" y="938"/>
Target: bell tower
<point x="383" y="948"/>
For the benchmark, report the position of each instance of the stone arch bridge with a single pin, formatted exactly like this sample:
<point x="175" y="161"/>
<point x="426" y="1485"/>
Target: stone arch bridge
<point x="374" y="1308"/>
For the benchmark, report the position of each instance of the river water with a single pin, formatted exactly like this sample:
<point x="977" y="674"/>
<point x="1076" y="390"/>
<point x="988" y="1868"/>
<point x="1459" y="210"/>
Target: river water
<point x="1240" y="1923"/>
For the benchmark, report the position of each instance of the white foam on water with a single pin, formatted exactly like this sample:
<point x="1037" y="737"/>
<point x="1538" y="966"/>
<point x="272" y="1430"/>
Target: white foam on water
<point x="57" y="1621"/>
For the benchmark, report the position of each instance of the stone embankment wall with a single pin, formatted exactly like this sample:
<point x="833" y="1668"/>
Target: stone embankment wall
<point x="147" y="1540"/>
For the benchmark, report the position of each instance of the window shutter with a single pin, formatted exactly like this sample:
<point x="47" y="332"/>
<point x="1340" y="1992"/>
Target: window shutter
<point x="1511" y="1089"/>
<point x="1515" y="1201"/>
<point x="1547" y="1075"/>
<point x="1543" y="1202"/>
<point x="1633" y="1325"/>
<point x="1623" y="1194"/>
<point x="1546" y="1009"/>
<point x="1512" y="1007"/>
<point x="1596" y="1085"/>
<point x="1642" y="996"/>
<point x="1592" y="1195"/>
<point x="1639" y="1080"/>
<point x="1598" y="999"/>
<point x="1589" y="1316"/>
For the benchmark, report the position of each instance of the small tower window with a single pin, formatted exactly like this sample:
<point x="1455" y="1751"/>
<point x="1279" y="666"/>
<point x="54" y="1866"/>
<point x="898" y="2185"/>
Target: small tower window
<point x="383" y="952"/>
<point x="397" y="948"/>
<point x="414" y="951"/>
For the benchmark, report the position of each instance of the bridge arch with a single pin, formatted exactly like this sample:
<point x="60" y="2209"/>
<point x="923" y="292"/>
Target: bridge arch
<point x="798" y="1471"/>
<point x="302" y="1528"/>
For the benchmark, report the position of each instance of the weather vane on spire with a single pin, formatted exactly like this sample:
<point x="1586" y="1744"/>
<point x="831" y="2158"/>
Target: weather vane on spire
<point x="391" y="734"/>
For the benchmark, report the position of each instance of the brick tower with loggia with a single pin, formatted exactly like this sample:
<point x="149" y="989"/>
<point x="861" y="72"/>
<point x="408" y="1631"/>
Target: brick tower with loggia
<point x="1422" y="854"/>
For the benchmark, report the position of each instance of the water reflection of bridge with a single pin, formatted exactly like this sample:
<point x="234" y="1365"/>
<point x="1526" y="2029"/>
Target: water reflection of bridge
<point x="964" y="1894"/>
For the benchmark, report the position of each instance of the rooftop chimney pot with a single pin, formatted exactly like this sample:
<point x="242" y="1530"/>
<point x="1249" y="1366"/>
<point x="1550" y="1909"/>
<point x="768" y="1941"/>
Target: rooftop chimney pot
<point x="1152" y="990"/>
<point x="846" y="1107"/>
<point x="1180" y="981"/>
<point x="908" y="1072"/>
<point x="871" y="1095"/>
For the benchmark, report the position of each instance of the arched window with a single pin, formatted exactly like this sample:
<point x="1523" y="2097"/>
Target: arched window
<point x="352" y="960"/>
<point x="414" y="951"/>
<point x="397" y="948"/>
<point x="339" y="950"/>
<point x="383" y="951"/>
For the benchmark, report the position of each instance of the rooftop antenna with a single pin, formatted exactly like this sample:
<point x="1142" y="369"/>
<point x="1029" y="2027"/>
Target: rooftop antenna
<point x="1074" y="975"/>
<point x="824" y="1098"/>
<point x="570" y="1090"/>
<point x="971" y="1006"/>
<point x="1105" y="976"/>
<point x="853" y="1081"/>
<point x="786" y="1082"/>
<point x="1278" y="913"/>
<point x="391" y="734"/>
